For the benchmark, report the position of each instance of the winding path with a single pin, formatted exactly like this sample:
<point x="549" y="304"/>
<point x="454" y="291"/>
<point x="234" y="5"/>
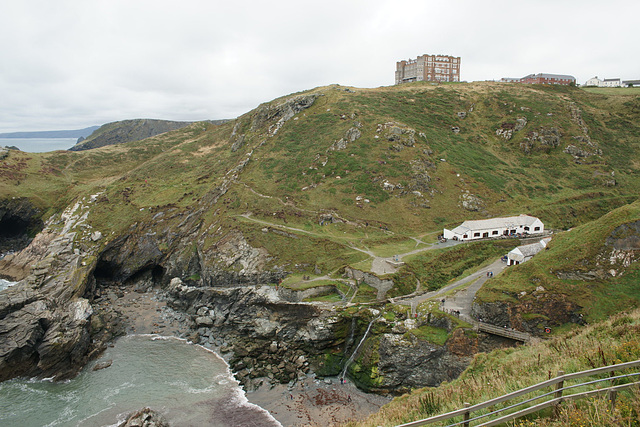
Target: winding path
<point x="461" y="300"/>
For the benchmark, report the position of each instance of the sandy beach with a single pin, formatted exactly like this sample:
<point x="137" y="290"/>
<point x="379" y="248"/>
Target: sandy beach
<point x="313" y="402"/>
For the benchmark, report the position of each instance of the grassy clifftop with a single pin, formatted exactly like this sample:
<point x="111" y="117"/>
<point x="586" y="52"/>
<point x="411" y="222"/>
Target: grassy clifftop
<point x="395" y="135"/>
<point x="358" y="168"/>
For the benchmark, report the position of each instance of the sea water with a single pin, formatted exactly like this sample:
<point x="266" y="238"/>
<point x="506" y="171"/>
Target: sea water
<point x="38" y="145"/>
<point x="188" y="384"/>
<point x="4" y="284"/>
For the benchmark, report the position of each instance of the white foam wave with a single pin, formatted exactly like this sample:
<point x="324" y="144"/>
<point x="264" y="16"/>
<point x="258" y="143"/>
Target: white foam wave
<point x="241" y="397"/>
<point x="115" y="391"/>
<point x="4" y="284"/>
<point x="119" y="420"/>
<point x="65" y="416"/>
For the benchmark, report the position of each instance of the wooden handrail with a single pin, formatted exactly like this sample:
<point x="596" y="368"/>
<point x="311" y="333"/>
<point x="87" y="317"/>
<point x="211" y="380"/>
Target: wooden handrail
<point x="553" y="381"/>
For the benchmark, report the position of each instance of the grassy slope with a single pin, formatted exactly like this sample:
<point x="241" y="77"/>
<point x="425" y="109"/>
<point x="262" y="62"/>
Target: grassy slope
<point x="580" y="250"/>
<point x="503" y="371"/>
<point x="177" y="169"/>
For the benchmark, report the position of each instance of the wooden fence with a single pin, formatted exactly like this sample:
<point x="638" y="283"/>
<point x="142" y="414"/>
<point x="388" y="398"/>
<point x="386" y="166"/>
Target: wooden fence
<point x="555" y="396"/>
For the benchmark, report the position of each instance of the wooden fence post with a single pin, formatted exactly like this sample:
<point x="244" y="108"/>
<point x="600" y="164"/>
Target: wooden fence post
<point x="559" y="386"/>
<point x="558" y="393"/>
<point x="613" y="394"/>
<point x="466" y="415"/>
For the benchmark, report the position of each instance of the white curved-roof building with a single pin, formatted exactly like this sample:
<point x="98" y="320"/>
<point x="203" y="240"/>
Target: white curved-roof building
<point x="495" y="227"/>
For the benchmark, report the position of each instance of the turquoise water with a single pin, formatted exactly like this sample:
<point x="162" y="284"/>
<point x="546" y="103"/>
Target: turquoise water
<point x="188" y="384"/>
<point x="38" y="145"/>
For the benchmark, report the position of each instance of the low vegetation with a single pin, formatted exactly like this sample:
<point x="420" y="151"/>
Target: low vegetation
<point x="582" y="264"/>
<point x="503" y="371"/>
<point x="382" y="171"/>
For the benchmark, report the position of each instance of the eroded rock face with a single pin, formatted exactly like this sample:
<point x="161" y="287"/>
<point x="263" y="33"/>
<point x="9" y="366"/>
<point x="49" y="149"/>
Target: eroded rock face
<point x="44" y="319"/>
<point x="625" y="237"/>
<point x="534" y="312"/>
<point x="145" y="417"/>
<point x="281" y="113"/>
<point x="408" y="362"/>
<point x="269" y="337"/>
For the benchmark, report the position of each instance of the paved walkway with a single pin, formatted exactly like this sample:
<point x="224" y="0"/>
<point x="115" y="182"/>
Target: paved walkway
<point x="463" y="299"/>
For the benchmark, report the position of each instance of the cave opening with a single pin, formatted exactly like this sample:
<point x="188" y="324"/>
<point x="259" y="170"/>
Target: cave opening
<point x="12" y="227"/>
<point x="104" y="271"/>
<point x="157" y="273"/>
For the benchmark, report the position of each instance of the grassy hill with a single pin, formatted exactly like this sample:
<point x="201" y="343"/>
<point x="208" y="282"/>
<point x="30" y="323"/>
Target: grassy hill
<point x="359" y="168"/>
<point x="322" y="179"/>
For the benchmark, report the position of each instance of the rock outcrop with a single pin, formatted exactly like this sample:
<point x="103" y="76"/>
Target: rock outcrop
<point x="145" y="417"/>
<point x="44" y="319"/>
<point x="532" y="314"/>
<point x="269" y="337"/>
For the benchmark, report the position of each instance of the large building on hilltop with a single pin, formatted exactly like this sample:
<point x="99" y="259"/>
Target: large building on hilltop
<point x="429" y="68"/>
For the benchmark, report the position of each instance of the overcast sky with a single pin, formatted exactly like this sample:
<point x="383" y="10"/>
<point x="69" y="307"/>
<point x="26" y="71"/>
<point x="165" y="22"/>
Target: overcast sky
<point x="69" y="64"/>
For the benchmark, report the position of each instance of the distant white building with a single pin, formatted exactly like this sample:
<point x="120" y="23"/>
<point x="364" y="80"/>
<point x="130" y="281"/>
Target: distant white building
<point x="595" y="81"/>
<point x="611" y="83"/>
<point x="526" y="252"/>
<point x="495" y="227"/>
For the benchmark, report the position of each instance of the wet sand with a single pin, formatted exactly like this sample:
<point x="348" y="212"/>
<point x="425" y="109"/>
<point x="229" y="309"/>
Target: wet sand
<point x="312" y="402"/>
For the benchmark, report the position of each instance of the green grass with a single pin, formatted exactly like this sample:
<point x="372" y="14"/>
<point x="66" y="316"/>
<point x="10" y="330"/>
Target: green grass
<point x="579" y="251"/>
<point x="434" y="269"/>
<point x="628" y="91"/>
<point x="188" y="174"/>
<point x="438" y="336"/>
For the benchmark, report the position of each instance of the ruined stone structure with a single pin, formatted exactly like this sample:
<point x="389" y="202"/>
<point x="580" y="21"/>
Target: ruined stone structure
<point x="430" y="68"/>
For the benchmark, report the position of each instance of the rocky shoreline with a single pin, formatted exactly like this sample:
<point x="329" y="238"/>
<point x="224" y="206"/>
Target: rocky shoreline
<point x="307" y="401"/>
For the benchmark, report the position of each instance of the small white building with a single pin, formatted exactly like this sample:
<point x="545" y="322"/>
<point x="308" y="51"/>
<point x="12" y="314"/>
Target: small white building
<point x="495" y="227"/>
<point x="595" y="81"/>
<point x="526" y="252"/>
<point x="611" y="83"/>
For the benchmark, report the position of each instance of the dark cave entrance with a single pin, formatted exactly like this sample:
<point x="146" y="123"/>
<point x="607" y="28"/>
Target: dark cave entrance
<point x="108" y="273"/>
<point x="13" y="227"/>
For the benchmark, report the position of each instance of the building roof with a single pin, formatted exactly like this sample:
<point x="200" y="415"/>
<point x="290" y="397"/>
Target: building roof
<point x="551" y="76"/>
<point x="493" y="223"/>
<point x="527" y="251"/>
<point x="611" y="80"/>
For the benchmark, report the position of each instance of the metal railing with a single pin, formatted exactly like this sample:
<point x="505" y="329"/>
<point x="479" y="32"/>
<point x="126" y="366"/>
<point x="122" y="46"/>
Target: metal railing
<point x="557" y="395"/>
